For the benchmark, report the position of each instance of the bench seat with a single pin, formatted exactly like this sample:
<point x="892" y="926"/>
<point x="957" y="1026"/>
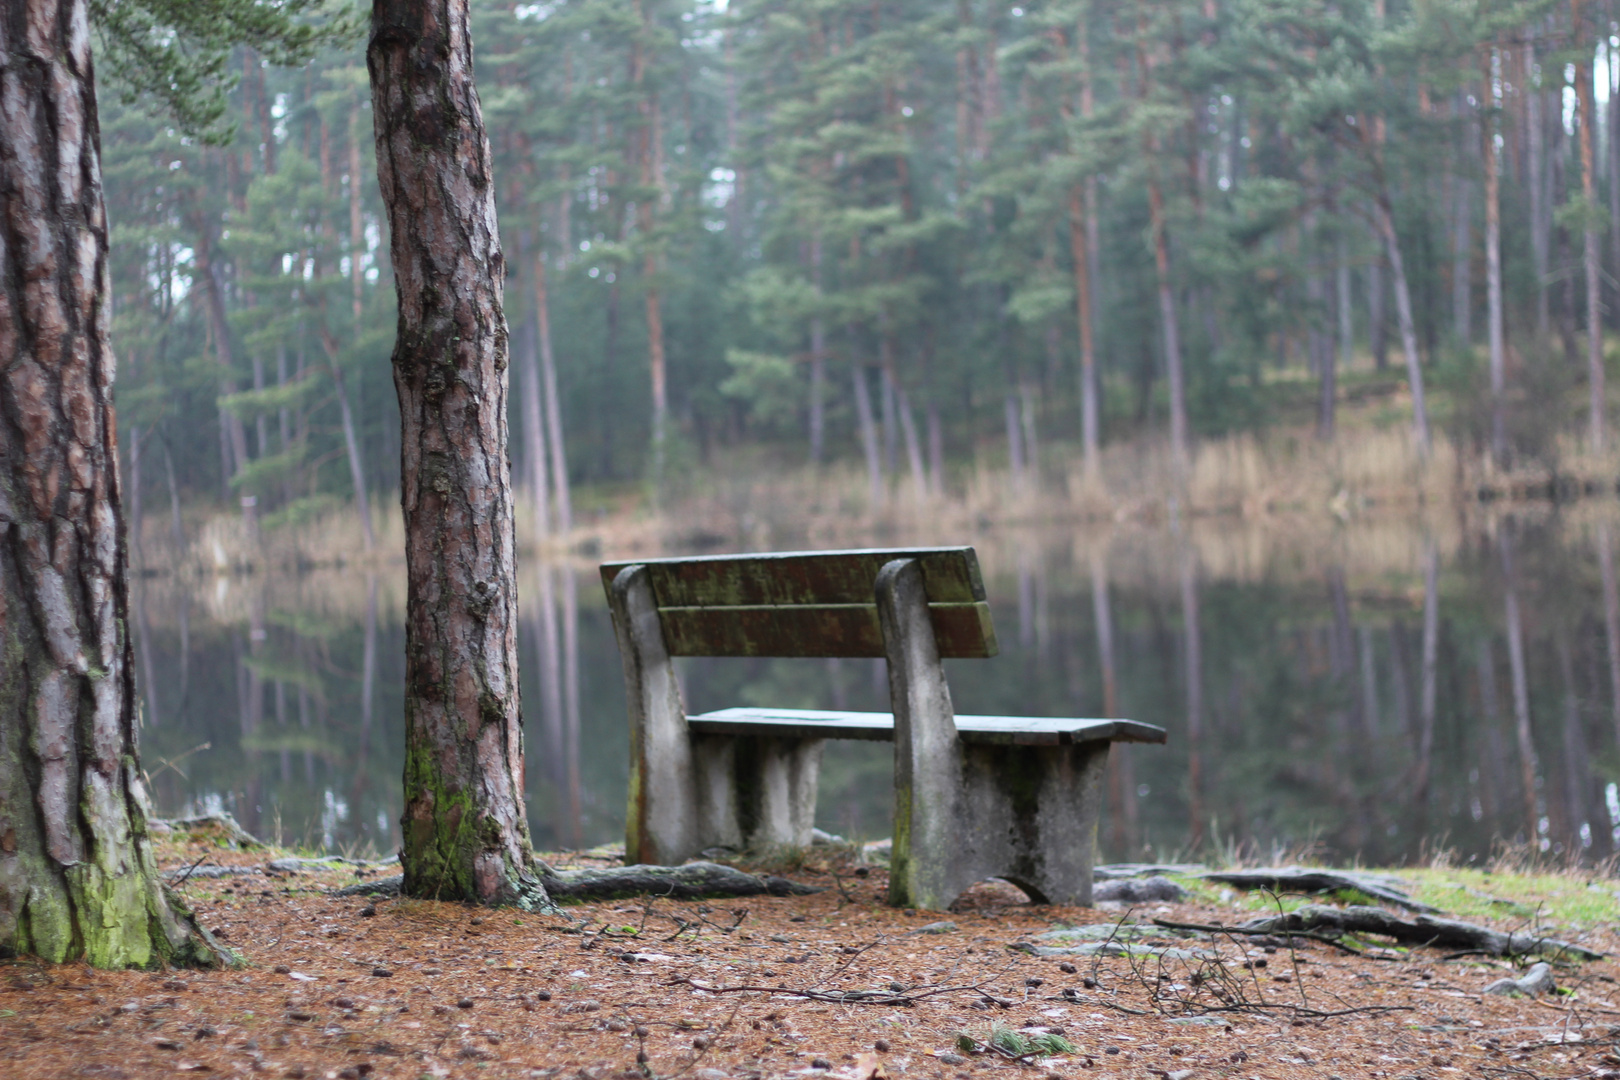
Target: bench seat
<point x="879" y="727"/>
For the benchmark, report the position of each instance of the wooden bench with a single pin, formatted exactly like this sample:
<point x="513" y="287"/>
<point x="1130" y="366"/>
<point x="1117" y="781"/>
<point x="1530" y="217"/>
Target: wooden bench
<point x="975" y="796"/>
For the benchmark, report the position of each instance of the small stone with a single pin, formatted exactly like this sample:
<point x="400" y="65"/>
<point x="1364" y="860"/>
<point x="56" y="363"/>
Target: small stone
<point x="617" y="1025"/>
<point x="862" y="871"/>
<point x="432" y="971"/>
<point x="382" y="972"/>
<point x="464" y="1003"/>
<point x="477" y="921"/>
<point x="1067" y="968"/>
<point x="1034" y="982"/>
<point x="368" y="912"/>
<point x="700" y="1043"/>
<point x="542" y="995"/>
<point x="205" y="1032"/>
<point x="881" y="1046"/>
<point x="440" y="1010"/>
<point x="175" y="984"/>
<point x="299" y="1014"/>
<point x="951" y="1059"/>
<point x="897" y="987"/>
<point x="820" y="1063"/>
<point x="1110" y="1049"/>
<point x="1089" y="983"/>
<point x="166" y="1044"/>
<point x="641" y="1032"/>
<point x="282" y="969"/>
<point x="343" y="1002"/>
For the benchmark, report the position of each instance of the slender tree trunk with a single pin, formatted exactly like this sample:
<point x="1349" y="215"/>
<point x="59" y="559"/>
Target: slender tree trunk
<point x="1172" y="334"/>
<point x="464" y="833"/>
<point x="136" y="518"/>
<point x="1597" y="421"/>
<point x="1327" y="367"/>
<point x="351" y="439"/>
<point x="78" y="878"/>
<point x="357" y="228"/>
<point x="1612" y="123"/>
<point x="1521" y="686"/>
<point x="1369" y="683"/>
<point x="1540" y="214"/>
<point x="1347" y="325"/>
<point x="1493" y="258"/>
<point x="177" y="534"/>
<point x="214" y="300"/>
<point x="1377" y="315"/>
<point x="1079" y="229"/>
<point x="869" y="436"/>
<point x="557" y="450"/>
<point x="1462" y="284"/>
<point x="1403" y="316"/>
<point x="818" y="360"/>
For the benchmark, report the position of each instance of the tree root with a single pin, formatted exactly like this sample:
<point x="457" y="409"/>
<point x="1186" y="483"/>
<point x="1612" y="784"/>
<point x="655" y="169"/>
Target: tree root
<point x="1423" y="930"/>
<point x="1314" y="880"/>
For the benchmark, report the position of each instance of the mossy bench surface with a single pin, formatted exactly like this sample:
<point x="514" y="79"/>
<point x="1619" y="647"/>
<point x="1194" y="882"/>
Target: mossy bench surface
<point x="879" y="727"/>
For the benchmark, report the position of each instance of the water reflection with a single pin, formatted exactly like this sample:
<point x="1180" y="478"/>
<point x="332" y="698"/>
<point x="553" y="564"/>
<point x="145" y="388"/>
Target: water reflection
<point x="1369" y="688"/>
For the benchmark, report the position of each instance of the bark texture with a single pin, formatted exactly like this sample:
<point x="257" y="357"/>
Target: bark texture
<point x="465" y="837"/>
<point x="77" y="875"/>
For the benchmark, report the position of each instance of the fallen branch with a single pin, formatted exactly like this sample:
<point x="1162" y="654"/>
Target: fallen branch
<point x="1312" y="880"/>
<point x="909" y="996"/>
<point x="1313" y="935"/>
<point x="1423" y="930"/>
<point x="693" y="881"/>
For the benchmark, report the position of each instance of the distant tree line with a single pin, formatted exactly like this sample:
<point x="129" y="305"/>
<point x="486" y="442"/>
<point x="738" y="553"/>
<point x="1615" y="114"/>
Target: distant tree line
<point x="898" y="233"/>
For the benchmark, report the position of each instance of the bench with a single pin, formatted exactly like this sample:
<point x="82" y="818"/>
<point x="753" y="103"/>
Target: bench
<point x="975" y="796"/>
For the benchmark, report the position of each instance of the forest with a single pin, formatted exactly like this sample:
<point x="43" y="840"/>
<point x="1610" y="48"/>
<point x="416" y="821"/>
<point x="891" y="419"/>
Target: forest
<point x="902" y="237"/>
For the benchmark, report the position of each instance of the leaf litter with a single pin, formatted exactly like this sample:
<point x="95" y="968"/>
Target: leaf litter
<point x="835" y="984"/>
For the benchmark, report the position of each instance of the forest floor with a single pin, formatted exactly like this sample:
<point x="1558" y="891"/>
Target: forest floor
<point x="348" y="987"/>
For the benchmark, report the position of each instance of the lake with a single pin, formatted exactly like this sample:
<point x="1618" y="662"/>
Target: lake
<point x="1373" y="687"/>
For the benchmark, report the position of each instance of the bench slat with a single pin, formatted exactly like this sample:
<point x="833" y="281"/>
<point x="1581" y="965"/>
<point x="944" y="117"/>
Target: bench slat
<point x="962" y="631"/>
<point x="950" y="575"/>
<point x="878" y="726"/>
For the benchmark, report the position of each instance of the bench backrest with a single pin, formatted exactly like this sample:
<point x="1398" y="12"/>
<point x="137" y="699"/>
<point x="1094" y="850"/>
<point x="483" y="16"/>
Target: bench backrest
<point x="809" y="603"/>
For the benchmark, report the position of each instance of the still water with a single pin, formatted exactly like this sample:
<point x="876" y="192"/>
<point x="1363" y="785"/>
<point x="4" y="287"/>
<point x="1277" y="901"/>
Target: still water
<point x="1370" y="688"/>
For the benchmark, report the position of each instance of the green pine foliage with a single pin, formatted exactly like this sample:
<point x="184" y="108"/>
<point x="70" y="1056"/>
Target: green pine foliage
<point x="814" y="192"/>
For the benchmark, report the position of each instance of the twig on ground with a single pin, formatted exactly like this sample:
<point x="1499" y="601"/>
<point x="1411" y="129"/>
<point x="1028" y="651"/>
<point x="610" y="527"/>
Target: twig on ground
<point x="909" y="996"/>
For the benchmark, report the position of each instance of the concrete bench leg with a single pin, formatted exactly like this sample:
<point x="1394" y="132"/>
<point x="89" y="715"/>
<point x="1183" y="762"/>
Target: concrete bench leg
<point x="663" y="822"/>
<point x="926" y="869"/>
<point x="689" y="793"/>
<point x="963" y="813"/>
<point x="1029" y="815"/>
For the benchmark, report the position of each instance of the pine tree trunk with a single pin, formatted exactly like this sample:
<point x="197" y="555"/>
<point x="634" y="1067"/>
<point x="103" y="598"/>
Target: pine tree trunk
<point x="1403" y="316"/>
<point x="465" y="837"/>
<point x="869" y="436"/>
<point x="1540" y="217"/>
<point x="1377" y="316"/>
<point x="78" y="879"/>
<point x="1079" y="230"/>
<point x="1172" y="335"/>
<point x="1493" y="263"/>
<point x="818" y="360"/>
<point x="1596" y="398"/>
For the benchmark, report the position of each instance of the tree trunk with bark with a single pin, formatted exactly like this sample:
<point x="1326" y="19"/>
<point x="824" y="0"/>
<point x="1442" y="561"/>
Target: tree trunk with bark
<point x="1593" y="260"/>
<point x="1403" y="316"/>
<point x="78" y="878"/>
<point x="464" y="833"/>
<point x="1493" y="260"/>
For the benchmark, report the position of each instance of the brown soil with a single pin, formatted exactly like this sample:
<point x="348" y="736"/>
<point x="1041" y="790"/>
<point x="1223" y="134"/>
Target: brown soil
<point x="478" y="993"/>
